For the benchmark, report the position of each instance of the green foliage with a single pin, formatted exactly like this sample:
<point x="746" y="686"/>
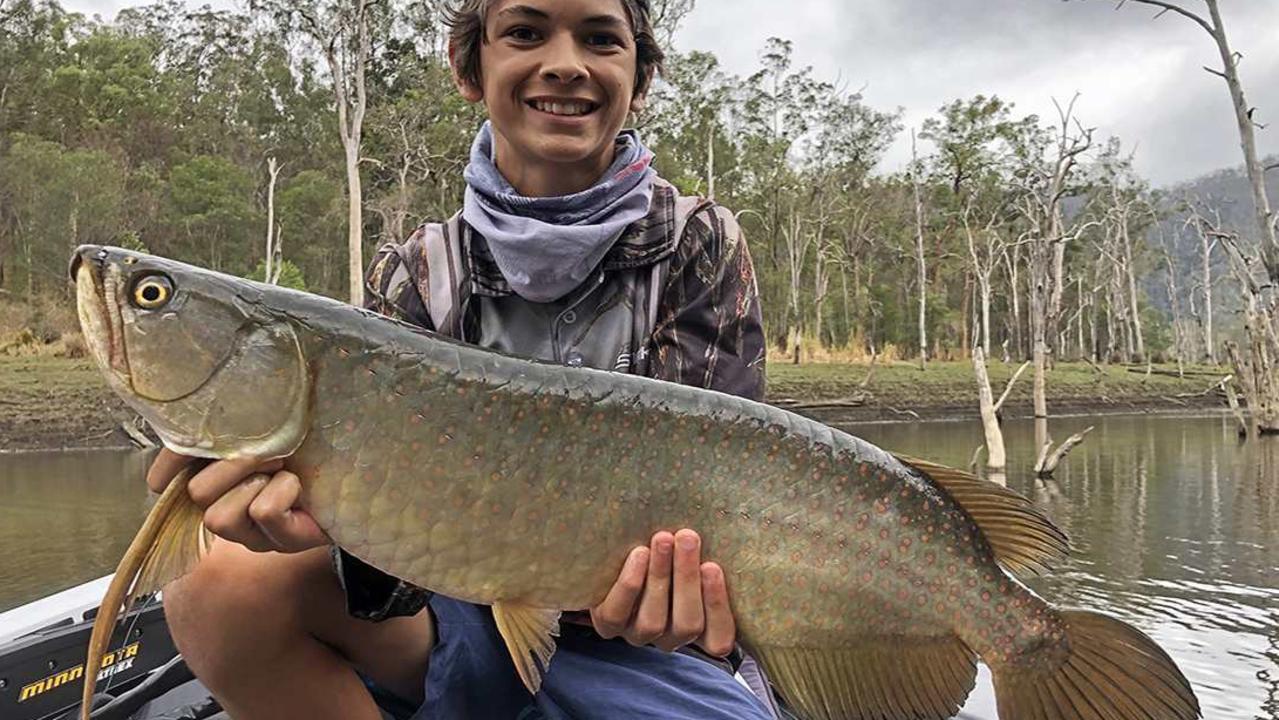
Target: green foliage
<point x="154" y="131"/>
<point x="290" y="275"/>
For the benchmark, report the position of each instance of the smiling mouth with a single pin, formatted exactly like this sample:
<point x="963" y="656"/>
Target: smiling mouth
<point x="564" y="108"/>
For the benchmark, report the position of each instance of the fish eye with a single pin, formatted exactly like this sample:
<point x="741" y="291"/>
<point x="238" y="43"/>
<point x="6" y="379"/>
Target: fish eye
<point x="152" y="292"/>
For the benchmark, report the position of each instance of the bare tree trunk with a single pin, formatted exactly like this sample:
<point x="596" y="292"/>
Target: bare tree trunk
<point x="710" y="164"/>
<point x="348" y="75"/>
<point x="273" y="168"/>
<point x="1133" y="308"/>
<point x="920" y="262"/>
<point x="996" y="456"/>
<point x="1210" y="346"/>
<point x="1178" y="327"/>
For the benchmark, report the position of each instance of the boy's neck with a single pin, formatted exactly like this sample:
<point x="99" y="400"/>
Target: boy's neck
<point x="534" y="179"/>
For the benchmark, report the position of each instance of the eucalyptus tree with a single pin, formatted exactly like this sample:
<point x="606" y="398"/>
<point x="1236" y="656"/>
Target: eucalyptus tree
<point x="346" y="33"/>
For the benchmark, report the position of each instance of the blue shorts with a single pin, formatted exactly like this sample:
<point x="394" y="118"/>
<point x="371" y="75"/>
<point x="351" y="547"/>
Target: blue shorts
<point x="471" y="677"/>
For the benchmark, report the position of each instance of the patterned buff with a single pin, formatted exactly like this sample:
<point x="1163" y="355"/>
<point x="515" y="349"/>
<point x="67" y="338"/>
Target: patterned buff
<point x="546" y="247"/>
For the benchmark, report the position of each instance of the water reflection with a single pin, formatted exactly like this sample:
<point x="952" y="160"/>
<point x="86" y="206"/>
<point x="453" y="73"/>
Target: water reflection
<point x="65" y="518"/>
<point x="1173" y="526"/>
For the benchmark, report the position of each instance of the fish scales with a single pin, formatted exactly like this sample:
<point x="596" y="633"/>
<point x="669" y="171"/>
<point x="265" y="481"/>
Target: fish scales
<point x="865" y="584"/>
<point x="614" y="466"/>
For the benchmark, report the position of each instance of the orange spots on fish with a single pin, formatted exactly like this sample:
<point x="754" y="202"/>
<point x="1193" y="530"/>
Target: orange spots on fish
<point x="349" y="426"/>
<point x="496" y="509"/>
<point x="905" y="520"/>
<point x="1001" y="608"/>
<point x="881" y="507"/>
<point x="883" y="534"/>
<point x="904" y="544"/>
<point x="985" y="595"/>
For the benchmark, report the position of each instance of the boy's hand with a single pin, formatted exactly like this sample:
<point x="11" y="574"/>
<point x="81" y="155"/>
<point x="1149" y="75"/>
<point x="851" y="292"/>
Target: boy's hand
<point x="666" y="597"/>
<point x="248" y="502"/>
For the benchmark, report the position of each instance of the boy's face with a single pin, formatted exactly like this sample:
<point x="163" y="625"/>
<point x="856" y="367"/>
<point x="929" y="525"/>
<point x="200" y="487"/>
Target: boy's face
<point x="558" y="79"/>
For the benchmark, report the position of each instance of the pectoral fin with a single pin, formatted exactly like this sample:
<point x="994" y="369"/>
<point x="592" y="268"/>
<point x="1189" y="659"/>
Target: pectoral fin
<point x="528" y="632"/>
<point x="169" y="544"/>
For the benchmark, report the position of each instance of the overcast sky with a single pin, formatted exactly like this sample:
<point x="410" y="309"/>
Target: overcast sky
<point x="1139" y="78"/>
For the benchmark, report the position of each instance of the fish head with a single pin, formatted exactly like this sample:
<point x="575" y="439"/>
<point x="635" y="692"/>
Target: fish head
<point x="200" y="355"/>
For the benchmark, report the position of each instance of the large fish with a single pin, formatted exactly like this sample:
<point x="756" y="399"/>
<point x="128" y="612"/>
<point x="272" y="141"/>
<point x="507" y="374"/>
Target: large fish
<point x="867" y="586"/>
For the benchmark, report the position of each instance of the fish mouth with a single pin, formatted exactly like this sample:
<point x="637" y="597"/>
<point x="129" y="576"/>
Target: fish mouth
<point x="96" y="283"/>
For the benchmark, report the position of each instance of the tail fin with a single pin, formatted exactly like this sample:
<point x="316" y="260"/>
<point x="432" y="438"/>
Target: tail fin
<point x="1112" y="670"/>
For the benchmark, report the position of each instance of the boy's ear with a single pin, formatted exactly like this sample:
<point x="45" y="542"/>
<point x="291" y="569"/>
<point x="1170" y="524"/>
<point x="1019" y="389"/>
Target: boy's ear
<point x="639" y="100"/>
<point x="471" y="92"/>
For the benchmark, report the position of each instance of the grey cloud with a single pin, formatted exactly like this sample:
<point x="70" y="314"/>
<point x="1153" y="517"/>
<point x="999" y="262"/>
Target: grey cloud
<point x="1140" y="78"/>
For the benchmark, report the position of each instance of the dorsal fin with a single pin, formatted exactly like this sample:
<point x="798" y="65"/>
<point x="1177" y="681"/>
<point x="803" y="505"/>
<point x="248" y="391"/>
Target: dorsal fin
<point x="1023" y="539"/>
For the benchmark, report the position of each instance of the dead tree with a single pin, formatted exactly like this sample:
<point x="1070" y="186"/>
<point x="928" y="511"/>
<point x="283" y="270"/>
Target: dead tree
<point x="1042" y="200"/>
<point x="342" y="31"/>
<point x="1229" y="72"/>
<point x="273" y="169"/>
<point x="920" y="262"/>
<point x="1207" y="243"/>
<point x="996" y="455"/>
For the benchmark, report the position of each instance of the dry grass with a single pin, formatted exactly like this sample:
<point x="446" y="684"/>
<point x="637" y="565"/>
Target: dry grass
<point x="46" y="327"/>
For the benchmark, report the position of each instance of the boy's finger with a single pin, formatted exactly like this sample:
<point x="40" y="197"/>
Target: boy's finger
<point x="276" y="513"/>
<point x="228" y="517"/>
<point x="655" y="602"/>
<point x="164" y="468"/>
<point x="721" y="629"/>
<point x="611" y="616"/>
<point x="220" y="477"/>
<point x="688" y="617"/>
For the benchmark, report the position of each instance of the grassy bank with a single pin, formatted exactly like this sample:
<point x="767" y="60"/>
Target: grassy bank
<point x="57" y="402"/>
<point x="897" y="390"/>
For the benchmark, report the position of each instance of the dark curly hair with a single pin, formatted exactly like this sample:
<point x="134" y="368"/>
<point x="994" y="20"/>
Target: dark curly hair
<point x="465" y="20"/>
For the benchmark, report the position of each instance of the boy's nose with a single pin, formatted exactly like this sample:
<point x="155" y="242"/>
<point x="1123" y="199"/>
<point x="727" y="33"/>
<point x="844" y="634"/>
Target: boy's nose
<point x="563" y="62"/>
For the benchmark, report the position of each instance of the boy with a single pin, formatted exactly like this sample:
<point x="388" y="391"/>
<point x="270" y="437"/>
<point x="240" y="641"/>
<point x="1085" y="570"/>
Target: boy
<point x="568" y="248"/>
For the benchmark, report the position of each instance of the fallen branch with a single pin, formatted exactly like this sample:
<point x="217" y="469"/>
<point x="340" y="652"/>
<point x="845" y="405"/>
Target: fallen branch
<point x="972" y="464"/>
<point x="134" y="429"/>
<point x="1047" y="464"/>
<point x="1097" y="369"/>
<point x="1232" y="400"/>
<point x="911" y="413"/>
<point x="1217" y="386"/>
<point x="869" y="373"/>
<point x="855" y="401"/>
<point x="1012" y="381"/>
<point x="1173" y="373"/>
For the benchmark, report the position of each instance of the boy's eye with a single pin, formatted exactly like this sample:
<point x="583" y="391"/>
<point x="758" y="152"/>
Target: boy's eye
<point x="604" y="40"/>
<point x="522" y="34"/>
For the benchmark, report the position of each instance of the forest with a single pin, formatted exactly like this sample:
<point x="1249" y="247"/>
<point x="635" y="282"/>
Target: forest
<point x="287" y="141"/>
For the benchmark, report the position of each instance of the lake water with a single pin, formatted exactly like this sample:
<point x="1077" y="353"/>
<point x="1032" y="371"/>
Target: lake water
<point x="1174" y="527"/>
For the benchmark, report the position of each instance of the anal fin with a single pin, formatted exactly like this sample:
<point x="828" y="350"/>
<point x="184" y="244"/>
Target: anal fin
<point x="885" y="678"/>
<point x="529" y="633"/>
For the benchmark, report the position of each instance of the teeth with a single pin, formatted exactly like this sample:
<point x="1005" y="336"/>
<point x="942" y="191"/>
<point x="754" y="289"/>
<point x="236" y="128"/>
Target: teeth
<point x="563" y="108"/>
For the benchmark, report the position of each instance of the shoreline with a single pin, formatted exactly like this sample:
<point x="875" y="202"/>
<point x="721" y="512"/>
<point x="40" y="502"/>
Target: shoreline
<point x="61" y="405"/>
